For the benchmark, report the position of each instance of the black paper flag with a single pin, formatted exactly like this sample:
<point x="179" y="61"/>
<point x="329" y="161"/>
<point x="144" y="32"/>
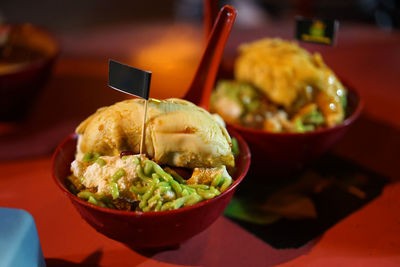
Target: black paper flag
<point x="128" y="79"/>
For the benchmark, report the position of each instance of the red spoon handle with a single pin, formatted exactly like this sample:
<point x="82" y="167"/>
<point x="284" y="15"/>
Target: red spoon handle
<point x="200" y="90"/>
<point x="210" y="14"/>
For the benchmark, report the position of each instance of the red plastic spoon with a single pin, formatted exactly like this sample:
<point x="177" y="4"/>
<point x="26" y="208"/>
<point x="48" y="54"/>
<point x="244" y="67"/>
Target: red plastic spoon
<point x="199" y="91"/>
<point x="210" y="14"/>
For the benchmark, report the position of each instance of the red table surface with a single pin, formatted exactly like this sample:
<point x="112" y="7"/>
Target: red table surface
<point x="365" y="56"/>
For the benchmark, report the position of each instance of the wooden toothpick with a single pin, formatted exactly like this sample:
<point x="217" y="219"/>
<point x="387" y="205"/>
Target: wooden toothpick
<point x="142" y="140"/>
<point x="131" y="81"/>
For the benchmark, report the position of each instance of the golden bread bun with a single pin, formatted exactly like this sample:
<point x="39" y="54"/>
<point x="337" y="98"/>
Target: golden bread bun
<point x="178" y="133"/>
<point x="287" y="74"/>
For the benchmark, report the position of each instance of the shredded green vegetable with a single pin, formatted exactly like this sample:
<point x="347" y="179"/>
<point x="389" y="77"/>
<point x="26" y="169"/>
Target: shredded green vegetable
<point x="156" y="189"/>
<point x="96" y="199"/>
<point x="114" y="190"/>
<point x="300" y="127"/>
<point x="87" y="157"/>
<point x="343" y="99"/>
<point x="118" y="175"/>
<point x="235" y="147"/>
<point x="314" y="117"/>
<point x="91" y="158"/>
<point x="101" y="162"/>
<point x="167" y="190"/>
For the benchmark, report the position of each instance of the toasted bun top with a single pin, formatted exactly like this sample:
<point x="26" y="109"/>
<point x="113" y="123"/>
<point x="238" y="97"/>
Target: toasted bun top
<point x="178" y="133"/>
<point x="285" y="73"/>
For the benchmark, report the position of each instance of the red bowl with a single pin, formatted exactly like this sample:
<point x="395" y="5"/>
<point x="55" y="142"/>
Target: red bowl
<point x="21" y="85"/>
<point x="280" y="154"/>
<point x="148" y="229"/>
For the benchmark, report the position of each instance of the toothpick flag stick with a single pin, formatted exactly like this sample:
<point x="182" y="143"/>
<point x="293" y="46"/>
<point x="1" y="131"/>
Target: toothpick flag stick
<point x="131" y="81"/>
<point x="143" y="128"/>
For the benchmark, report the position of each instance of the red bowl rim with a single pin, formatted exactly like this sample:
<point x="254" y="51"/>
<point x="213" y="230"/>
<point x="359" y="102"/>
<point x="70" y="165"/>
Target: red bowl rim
<point x="41" y="61"/>
<point x="349" y="120"/>
<point x="243" y="149"/>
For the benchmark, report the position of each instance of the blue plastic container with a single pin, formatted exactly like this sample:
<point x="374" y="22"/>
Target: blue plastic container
<point x="19" y="240"/>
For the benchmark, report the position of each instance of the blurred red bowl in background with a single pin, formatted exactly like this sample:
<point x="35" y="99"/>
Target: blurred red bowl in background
<point x="148" y="229"/>
<point x="26" y="61"/>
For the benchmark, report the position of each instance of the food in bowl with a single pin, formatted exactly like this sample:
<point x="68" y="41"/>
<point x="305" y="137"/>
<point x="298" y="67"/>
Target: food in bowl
<point x="280" y="87"/>
<point x="148" y="229"/>
<point x="21" y="45"/>
<point x="189" y="156"/>
<point x="27" y="56"/>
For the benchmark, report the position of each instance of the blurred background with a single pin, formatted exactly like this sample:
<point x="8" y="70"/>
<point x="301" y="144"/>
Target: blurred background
<point x="69" y="15"/>
<point x="168" y="38"/>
